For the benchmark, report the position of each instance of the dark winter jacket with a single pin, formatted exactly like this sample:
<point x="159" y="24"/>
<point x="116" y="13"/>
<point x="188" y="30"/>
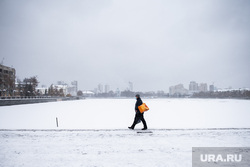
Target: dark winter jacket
<point x="137" y="104"/>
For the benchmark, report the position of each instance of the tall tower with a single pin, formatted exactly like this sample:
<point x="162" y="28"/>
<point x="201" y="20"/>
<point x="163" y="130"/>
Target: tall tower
<point x="193" y="86"/>
<point x="211" y="88"/>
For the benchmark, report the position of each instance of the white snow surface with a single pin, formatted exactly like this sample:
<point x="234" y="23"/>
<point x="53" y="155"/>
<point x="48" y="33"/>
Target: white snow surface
<point x="92" y="132"/>
<point x="111" y="148"/>
<point x="119" y="114"/>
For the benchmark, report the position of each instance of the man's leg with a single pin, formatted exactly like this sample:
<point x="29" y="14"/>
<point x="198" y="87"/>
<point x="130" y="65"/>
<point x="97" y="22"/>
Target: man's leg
<point x="144" y="123"/>
<point x="137" y="118"/>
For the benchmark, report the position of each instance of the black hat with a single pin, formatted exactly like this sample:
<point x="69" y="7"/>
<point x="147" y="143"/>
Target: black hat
<point x="137" y="95"/>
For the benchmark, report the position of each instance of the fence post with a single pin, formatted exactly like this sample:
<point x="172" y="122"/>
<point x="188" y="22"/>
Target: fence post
<point x="56" y="121"/>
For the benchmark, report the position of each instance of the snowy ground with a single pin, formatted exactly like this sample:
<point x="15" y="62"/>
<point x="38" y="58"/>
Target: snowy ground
<point x="119" y="114"/>
<point x="93" y="132"/>
<point x="112" y="148"/>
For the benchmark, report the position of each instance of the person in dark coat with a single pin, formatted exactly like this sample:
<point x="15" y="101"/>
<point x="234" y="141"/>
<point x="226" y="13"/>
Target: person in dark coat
<point x="138" y="115"/>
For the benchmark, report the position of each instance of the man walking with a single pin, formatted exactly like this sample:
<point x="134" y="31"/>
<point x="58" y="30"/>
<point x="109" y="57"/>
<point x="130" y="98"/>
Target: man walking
<point x="138" y="115"/>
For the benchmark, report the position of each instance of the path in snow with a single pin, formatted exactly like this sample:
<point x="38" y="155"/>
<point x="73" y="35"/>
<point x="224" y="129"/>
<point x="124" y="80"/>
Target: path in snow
<point x="111" y="147"/>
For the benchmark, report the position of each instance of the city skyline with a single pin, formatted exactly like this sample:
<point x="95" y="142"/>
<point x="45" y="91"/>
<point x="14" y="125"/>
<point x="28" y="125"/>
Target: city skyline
<point x="193" y="87"/>
<point x="105" y="88"/>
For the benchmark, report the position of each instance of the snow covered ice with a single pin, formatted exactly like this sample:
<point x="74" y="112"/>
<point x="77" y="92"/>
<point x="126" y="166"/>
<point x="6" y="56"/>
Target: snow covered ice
<point x="93" y="132"/>
<point x="119" y="114"/>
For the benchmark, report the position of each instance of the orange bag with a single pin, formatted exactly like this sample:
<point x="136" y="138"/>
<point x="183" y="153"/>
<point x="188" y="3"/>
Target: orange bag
<point x="142" y="108"/>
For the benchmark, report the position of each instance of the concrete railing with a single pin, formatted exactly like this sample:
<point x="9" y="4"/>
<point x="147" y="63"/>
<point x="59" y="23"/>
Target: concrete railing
<point x="8" y="101"/>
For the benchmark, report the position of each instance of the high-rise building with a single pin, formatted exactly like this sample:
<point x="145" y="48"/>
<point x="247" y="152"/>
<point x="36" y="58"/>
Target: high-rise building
<point x="177" y="90"/>
<point x="7" y="80"/>
<point x="130" y="86"/>
<point x="107" y="88"/>
<point x="203" y="87"/>
<point x="100" y="88"/>
<point x="211" y="88"/>
<point x="75" y="84"/>
<point x="193" y="86"/>
<point x="61" y="83"/>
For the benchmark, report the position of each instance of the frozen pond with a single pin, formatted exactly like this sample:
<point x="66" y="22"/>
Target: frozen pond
<point x="119" y="114"/>
<point x="93" y="132"/>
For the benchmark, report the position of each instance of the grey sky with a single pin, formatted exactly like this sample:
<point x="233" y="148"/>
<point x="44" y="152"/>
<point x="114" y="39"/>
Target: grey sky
<point x="154" y="44"/>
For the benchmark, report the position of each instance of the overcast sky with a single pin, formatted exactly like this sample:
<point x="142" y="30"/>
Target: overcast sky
<point x="154" y="44"/>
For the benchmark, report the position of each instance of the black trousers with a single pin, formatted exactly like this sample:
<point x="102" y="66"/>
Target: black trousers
<point x="139" y="116"/>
